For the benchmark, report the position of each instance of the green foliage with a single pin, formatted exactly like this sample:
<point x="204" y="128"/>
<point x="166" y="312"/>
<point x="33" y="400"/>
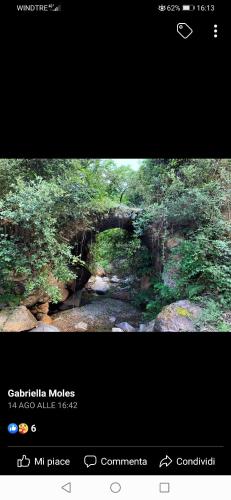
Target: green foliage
<point x="12" y="170"/>
<point x="212" y="316"/>
<point x="155" y="298"/>
<point x="190" y="193"/>
<point x="194" y="197"/>
<point x="115" y="250"/>
<point x="205" y="267"/>
<point x="32" y="248"/>
<point x="159" y="180"/>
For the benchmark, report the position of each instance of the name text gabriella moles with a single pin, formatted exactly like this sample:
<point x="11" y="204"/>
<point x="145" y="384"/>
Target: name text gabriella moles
<point x="39" y="393"/>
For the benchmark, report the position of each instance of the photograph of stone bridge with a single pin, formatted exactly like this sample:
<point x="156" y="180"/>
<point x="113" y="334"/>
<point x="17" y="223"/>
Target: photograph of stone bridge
<point x="133" y="246"/>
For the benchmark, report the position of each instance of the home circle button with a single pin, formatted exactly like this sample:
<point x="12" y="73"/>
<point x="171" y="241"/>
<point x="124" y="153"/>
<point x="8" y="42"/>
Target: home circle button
<point x="115" y="487"/>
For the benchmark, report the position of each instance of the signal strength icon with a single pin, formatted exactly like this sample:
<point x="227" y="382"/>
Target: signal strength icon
<point x="162" y="8"/>
<point x="56" y="8"/>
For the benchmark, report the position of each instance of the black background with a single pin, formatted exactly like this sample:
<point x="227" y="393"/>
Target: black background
<point x="133" y="390"/>
<point x="99" y="80"/>
<point x="151" y="389"/>
<point x="95" y="84"/>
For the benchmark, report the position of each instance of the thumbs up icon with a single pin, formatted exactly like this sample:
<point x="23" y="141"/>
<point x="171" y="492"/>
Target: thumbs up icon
<point x="12" y="428"/>
<point x="23" y="462"/>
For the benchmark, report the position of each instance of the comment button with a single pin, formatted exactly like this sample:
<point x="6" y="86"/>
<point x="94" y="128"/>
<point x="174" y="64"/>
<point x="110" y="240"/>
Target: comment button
<point x="90" y="460"/>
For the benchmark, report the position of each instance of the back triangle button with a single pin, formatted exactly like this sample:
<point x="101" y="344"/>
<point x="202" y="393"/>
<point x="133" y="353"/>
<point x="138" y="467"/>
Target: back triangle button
<point x="67" y="487"/>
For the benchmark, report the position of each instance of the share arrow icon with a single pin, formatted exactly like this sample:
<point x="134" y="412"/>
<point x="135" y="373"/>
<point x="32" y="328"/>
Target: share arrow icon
<point x="165" y="461"/>
<point x="67" y="487"/>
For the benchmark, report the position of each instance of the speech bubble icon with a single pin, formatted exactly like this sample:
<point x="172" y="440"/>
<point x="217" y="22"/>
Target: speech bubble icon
<point x="90" y="460"/>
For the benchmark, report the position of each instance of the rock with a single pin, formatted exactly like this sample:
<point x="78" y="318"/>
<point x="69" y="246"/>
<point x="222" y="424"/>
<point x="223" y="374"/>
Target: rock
<point x="145" y="283"/>
<point x="129" y="280"/>
<point x="120" y="294"/>
<point x="34" y="298"/>
<point x="40" y="310"/>
<point x="208" y="328"/>
<point x="82" y="276"/>
<point x="62" y="288"/>
<point x="81" y="326"/>
<point x="41" y="298"/>
<point x="170" y="273"/>
<point x="43" y="327"/>
<point x="90" y="282"/>
<point x="170" y="277"/>
<point x="126" y="327"/>
<point x="177" y="317"/>
<point x="99" y="286"/>
<point x="148" y="327"/>
<point x="226" y="318"/>
<point x="73" y="301"/>
<point x="117" y="329"/>
<point x="174" y="242"/>
<point x="114" y="279"/>
<point x="46" y="319"/>
<point x="86" y="297"/>
<point x="100" y="272"/>
<point x="16" y="319"/>
<point x="96" y="315"/>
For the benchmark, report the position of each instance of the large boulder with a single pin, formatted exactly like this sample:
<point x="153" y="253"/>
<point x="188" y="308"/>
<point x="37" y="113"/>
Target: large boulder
<point x="126" y="327"/>
<point x="40" y="308"/>
<point x="40" y="311"/>
<point x="177" y="317"/>
<point x="73" y="301"/>
<point x="98" y="285"/>
<point x="43" y="327"/>
<point x="97" y="316"/>
<point x="16" y="319"/>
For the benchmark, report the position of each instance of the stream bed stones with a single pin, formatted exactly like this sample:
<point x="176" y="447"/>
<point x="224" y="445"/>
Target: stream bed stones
<point x="97" y="316"/>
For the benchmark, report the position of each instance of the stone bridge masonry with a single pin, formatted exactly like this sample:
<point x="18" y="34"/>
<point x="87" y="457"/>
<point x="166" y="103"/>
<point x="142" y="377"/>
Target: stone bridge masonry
<point x="82" y="237"/>
<point x="122" y="217"/>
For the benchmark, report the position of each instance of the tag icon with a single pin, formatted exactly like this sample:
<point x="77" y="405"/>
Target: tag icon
<point x="184" y="30"/>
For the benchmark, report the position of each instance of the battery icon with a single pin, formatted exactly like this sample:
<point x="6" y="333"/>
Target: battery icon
<point x="188" y="7"/>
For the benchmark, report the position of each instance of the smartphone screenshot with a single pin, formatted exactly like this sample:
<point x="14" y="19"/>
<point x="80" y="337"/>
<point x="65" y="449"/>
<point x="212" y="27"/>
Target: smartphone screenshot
<point x="115" y="248"/>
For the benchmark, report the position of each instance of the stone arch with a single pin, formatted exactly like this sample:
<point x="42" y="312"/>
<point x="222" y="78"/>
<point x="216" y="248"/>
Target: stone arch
<point x="120" y="217"/>
<point x="82" y="239"/>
